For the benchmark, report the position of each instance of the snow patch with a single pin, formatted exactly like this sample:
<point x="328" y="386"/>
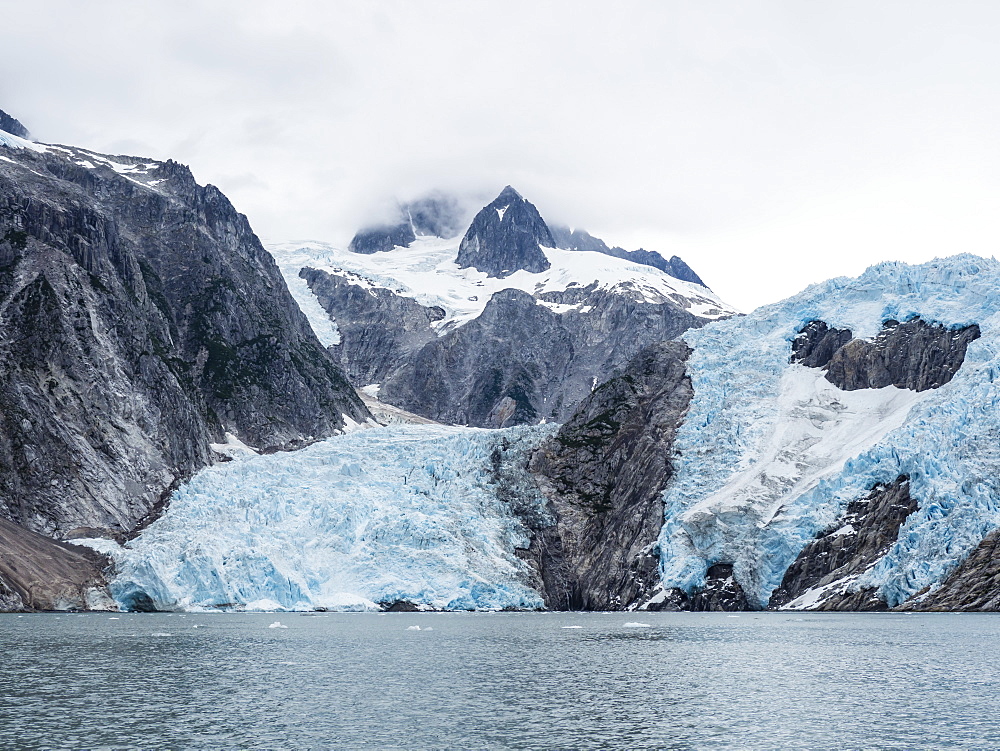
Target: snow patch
<point x="426" y="271"/>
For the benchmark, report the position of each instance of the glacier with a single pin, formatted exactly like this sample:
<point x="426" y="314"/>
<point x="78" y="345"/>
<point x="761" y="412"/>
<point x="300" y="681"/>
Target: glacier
<point x="770" y="453"/>
<point x="427" y="272"/>
<point x="379" y="515"/>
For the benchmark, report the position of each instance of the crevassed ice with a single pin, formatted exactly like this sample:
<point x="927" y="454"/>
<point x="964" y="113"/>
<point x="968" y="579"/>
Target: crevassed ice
<point x="758" y="471"/>
<point x="403" y="512"/>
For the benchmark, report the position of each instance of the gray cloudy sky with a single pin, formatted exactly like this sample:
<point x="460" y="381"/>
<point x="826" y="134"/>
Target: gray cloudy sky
<point x="770" y="144"/>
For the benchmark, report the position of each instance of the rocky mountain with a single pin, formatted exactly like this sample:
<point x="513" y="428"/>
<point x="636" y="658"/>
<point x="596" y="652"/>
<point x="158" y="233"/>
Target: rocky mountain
<point x="578" y="239"/>
<point x="505" y="340"/>
<point x="737" y="469"/>
<point x="143" y="323"/>
<point x="603" y="475"/>
<point x="505" y="237"/>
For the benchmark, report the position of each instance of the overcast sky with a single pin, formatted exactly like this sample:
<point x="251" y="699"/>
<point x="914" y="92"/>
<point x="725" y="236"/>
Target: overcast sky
<point x="769" y="144"/>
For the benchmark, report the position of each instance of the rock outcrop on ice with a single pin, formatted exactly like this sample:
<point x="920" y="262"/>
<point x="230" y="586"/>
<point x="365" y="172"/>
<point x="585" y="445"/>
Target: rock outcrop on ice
<point x="913" y="355"/>
<point x="143" y="321"/>
<point x="603" y="474"/>
<point x="826" y="567"/>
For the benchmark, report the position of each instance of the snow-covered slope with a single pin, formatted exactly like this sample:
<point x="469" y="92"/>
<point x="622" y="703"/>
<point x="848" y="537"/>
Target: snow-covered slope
<point x="427" y="272"/>
<point x="771" y="453"/>
<point x="398" y="513"/>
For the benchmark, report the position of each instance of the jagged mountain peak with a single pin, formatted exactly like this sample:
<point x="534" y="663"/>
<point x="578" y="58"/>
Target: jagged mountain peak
<point x="12" y="125"/>
<point x="506" y="236"/>
<point x="507" y="194"/>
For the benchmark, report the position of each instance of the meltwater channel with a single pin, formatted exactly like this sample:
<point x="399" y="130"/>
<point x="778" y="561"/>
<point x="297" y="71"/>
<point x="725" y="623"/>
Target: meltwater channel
<point x="498" y="681"/>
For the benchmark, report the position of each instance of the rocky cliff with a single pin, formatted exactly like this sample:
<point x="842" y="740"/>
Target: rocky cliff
<point x="506" y="236"/>
<point x="603" y="474"/>
<point x="526" y="359"/>
<point x="142" y="321"/>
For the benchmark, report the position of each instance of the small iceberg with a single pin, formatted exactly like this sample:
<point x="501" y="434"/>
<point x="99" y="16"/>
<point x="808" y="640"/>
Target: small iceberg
<point x="160" y="633"/>
<point x="627" y="624"/>
<point x="277" y="624"/>
<point x="636" y="624"/>
<point x="413" y="628"/>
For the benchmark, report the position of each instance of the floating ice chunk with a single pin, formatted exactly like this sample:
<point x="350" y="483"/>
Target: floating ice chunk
<point x="581" y="626"/>
<point x="636" y="624"/>
<point x="413" y="628"/>
<point x="160" y="633"/>
<point x="277" y="624"/>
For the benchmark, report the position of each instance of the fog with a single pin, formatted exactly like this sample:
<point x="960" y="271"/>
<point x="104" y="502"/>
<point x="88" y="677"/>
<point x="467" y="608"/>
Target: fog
<point x="770" y="145"/>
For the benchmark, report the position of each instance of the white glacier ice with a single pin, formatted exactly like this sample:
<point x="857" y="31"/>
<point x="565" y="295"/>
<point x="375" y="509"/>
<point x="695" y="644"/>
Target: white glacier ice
<point x="770" y="453"/>
<point x="397" y="513"/>
<point x="427" y="272"/>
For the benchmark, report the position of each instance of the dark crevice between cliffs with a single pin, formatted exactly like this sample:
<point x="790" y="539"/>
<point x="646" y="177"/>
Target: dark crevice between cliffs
<point x="603" y="475"/>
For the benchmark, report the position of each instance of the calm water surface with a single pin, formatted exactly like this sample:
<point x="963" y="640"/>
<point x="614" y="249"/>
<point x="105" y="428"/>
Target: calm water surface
<point x="688" y="681"/>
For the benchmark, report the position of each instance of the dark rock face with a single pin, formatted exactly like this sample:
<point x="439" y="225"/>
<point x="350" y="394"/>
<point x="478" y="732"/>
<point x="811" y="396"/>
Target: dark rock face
<point x="721" y="593"/>
<point x="816" y="343"/>
<point x="863" y="535"/>
<point x="378" y="329"/>
<point x="142" y="320"/>
<point x="12" y="126"/>
<point x="973" y="586"/>
<point x="382" y="237"/>
<point x="520" y="362"/>
<point x="506" y="236"/>
<point x="579" y="240"/>
<point x="914" y="355"/>
<point x="603" y="474"/>
<point x="37" y="573"/>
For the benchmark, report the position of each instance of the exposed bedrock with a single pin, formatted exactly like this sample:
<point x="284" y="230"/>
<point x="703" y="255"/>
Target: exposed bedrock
<point x="378" y="329"/>
<point x="37" y="573"/>
<point x="913" y="355"/>
<point x="520" y="361"/>
<point x="837" y="556"/>
<point x="974" y="585"/>
<point x="142" y="320"/>
<point x="506" y="236"/>
<point x="604" y="473"/>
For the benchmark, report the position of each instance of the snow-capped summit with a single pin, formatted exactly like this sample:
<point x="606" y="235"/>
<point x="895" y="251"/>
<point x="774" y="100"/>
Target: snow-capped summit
<point x="505" y="237"/>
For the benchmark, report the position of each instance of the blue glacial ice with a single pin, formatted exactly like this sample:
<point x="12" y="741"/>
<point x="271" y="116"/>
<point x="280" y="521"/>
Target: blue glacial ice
<point x="771" y="453"/>
<point x="394" y="513"/>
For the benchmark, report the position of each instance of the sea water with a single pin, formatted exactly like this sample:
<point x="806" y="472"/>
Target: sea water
<point x="499" y="680"/>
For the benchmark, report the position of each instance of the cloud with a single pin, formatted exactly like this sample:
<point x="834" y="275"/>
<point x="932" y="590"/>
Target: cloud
<point x="745" y="137"/>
